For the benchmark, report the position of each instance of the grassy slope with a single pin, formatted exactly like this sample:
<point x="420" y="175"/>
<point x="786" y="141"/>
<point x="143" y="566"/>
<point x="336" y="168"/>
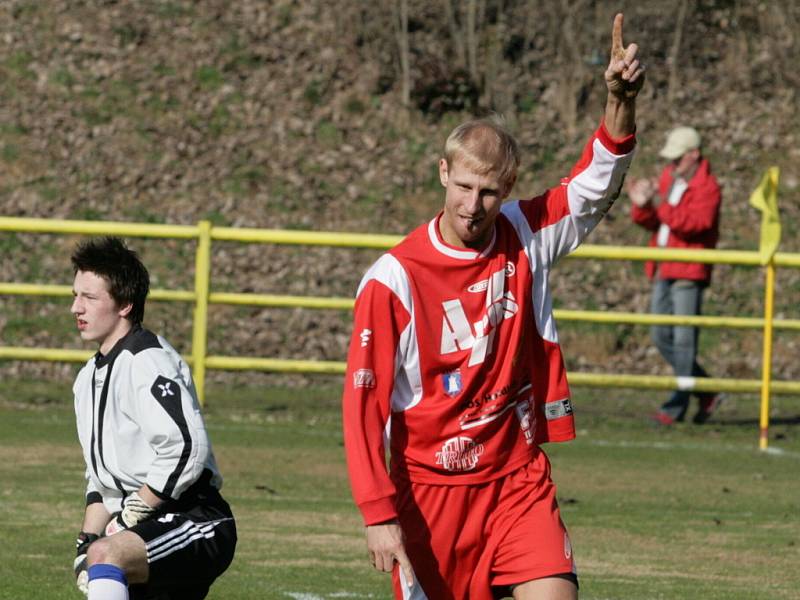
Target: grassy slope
<point x="686" y="513"/>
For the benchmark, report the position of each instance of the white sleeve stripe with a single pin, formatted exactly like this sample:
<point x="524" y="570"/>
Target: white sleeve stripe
<point x="407" y="390"/>
<point x="592" y="191"/>
<point x="589" y="195"/>
<point x="388" y="271"/>
<point x="538" y="261"/>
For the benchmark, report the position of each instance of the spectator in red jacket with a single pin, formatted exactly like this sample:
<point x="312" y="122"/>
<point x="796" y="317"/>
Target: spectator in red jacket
<point x="681" y="209"/>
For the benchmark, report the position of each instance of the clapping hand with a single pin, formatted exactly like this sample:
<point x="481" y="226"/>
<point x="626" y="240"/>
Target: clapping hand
<point x="641" y="191"/>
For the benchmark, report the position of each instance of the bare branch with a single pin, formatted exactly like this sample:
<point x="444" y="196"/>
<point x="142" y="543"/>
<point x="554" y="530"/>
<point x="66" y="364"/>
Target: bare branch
<point x="456" y="34"/>
<point x="672" y="60"/>
<point x="400" y="21"/>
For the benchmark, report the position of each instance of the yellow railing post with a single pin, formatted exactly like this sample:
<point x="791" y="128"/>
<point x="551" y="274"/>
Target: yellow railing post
<point x="766" y="366"/>
<point x="202" y="268"/>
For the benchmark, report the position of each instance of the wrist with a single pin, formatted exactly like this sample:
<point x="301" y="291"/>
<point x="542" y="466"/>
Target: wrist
<point x="85" y="539"/>
<point x="622" y="97"/>
<point x="92" y="534"/>
<point x="394" y="521"/>
<point x="620" y="117"/>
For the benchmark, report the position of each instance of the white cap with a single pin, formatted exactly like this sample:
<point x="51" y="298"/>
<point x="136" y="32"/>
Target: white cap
<point x="679" y="141"/>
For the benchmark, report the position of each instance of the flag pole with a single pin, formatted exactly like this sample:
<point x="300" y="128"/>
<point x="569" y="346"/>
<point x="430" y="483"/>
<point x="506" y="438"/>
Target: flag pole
<point x="766" y="363"/>
<point x="765" y="199"/>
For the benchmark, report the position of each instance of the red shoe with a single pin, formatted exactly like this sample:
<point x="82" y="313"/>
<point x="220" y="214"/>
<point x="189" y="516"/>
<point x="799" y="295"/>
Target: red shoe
<point x="707" y="407"/>
<point x="662" y="419"/>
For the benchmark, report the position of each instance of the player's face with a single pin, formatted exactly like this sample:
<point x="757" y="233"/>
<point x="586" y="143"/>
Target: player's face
<point x="471" y="204"/>
<point x="686" y="164"/>
<point x="98" y="317"/>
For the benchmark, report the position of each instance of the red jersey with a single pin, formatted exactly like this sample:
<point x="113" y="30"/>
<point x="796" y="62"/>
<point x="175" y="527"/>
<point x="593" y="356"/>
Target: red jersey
<point x="691" y="223"/>
<point x="454" y="359"/>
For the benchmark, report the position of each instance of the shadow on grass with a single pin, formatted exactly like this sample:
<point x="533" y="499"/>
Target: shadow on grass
<point x="795" y="420"/>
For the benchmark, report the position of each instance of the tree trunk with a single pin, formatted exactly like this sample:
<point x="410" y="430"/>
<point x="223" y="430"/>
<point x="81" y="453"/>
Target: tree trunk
<point x="672" y="60"/>
<point x="401" y="35"/>
<point x="456" y="34"/>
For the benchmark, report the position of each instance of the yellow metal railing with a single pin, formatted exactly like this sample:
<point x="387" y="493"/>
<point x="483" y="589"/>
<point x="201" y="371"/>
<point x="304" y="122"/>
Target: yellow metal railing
<point x="202" y="285"/>
<point x="202" y="297"/>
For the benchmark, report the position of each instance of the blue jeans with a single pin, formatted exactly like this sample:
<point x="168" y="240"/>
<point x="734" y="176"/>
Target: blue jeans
<point x="678" y="343"/>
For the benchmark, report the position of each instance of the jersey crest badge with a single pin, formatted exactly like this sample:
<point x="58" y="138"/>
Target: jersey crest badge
<point x="451" y="382"/>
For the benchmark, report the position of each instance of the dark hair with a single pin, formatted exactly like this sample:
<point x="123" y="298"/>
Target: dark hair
<point x="111" y="259"/>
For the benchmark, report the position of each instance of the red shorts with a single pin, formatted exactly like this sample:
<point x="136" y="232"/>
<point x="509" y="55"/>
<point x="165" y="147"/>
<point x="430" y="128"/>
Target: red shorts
<point x="473" y="541"/>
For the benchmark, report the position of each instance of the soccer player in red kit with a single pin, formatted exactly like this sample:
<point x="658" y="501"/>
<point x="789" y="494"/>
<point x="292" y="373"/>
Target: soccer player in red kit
<point x="454" y="363"/>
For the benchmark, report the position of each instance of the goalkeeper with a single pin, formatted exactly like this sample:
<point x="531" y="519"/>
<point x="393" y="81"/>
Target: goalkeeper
<point x="155" y="525"/>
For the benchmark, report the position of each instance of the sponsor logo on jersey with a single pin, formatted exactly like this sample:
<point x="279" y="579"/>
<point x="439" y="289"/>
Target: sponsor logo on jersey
<point x="557" y="409"/>
<point x="451" y="382"/>
<point x="527" y="420"/>
<point x="459" y="454"/>
<point x="477" y="288"/>
<point x="365" y="336"/>
<point x="165" y="389"/>
<point x="481" y="286"/>
<point x="458" y="335"/>
<point x="567" y="547"/>
<point x="364" y="378"/>
<point x="490" y="406"/>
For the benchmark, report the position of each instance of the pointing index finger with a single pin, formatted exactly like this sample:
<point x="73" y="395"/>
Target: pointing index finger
<point x="617" y="51"/>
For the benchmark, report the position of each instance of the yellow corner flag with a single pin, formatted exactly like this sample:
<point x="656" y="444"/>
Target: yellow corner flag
<point x="765" y="199"/>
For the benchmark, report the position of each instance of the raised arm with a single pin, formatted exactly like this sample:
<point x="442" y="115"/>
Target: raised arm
<point x="624" y="78"/>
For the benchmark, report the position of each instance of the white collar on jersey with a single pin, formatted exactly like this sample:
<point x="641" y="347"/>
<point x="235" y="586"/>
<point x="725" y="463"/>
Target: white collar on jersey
<point x="441" y="246"/>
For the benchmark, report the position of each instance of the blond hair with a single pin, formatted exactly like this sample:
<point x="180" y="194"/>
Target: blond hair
<point x="484" y="146"/>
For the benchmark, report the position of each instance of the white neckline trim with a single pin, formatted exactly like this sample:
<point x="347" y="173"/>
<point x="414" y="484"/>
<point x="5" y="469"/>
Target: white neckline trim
<point x="453" y="252"/>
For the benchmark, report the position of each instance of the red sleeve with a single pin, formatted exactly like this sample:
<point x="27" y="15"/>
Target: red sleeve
<point x="695" y="214"/>
<point x="618" y="146"/>
<point x="646" y="217"/>
<point x="378" y="322"/>
<point x="553" y="205"/>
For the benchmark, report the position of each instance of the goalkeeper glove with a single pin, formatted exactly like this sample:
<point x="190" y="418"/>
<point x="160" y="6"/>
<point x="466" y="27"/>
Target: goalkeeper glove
<point x="79" y="564"/>
<point x="135" y="510"/>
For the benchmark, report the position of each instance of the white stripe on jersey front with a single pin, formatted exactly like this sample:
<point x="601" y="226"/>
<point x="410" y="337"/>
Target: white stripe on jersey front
<point x="179" y="538"/>
<point x="535" y="246"/>
<point x="407" y="391"/>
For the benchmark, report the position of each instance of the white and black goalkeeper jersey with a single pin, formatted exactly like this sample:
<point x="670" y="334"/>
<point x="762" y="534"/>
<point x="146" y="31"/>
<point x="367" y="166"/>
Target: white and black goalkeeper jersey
<point x="139" y="422"/>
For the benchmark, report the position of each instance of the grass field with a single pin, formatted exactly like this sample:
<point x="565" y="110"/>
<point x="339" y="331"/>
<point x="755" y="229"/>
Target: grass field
<point x="691" y="512"/>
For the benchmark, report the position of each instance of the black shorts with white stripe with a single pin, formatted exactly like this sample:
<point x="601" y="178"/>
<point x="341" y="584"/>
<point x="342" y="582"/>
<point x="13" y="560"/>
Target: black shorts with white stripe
<point x="188" y="547"/>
